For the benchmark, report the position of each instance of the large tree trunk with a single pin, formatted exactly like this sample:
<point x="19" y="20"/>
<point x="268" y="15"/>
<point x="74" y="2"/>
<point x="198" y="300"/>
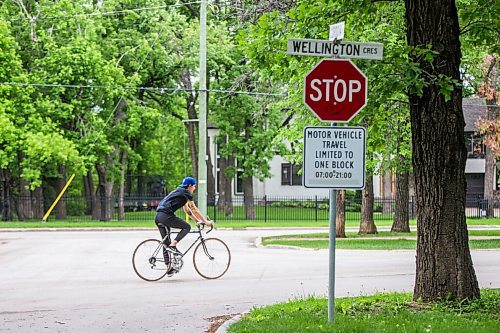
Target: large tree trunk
<point x="443" y="265"/>
<point x="106" y="179"/>
<point x="61" y="212"/>
<point x="248" y="198"/>
<point x="340" y="215"/>
<point x="367" y="225"/>
<point x="401" y="221"/>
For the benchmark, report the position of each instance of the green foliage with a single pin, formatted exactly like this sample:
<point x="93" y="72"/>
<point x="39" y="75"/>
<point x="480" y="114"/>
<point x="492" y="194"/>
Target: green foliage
<point x="248" y="124"/>
<point x="154" y="48"/>
<point x="479" y="25"/>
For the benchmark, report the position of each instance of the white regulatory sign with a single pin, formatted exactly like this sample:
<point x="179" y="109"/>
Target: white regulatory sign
<point x="334" y="157"/>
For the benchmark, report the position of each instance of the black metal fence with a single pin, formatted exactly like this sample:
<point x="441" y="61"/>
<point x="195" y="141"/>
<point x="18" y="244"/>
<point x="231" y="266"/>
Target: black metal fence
<point x="311" y="209"/>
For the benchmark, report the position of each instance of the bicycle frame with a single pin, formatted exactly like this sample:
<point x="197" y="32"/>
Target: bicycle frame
<point x="200" y="238"/>
<point x="211" y="256"/>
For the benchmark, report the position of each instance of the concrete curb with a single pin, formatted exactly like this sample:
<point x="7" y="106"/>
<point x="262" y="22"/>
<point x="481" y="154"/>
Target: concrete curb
<point x="258" y="243"/>
<point x="224" y="327"/>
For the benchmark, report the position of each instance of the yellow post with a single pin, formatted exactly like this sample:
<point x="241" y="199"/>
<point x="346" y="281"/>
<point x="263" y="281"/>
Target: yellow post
<point x="46" y="216"/>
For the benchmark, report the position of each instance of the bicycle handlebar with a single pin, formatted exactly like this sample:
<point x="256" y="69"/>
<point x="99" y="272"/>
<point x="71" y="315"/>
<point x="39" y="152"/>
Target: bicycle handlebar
<point x="202" y="224"/>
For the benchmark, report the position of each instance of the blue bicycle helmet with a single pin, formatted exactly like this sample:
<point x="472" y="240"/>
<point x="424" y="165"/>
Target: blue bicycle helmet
<point x="188" y="181"/>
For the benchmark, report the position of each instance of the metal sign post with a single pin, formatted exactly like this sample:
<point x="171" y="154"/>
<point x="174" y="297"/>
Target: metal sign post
<point x="331" y="255"/>
<point x="334" y="157"/>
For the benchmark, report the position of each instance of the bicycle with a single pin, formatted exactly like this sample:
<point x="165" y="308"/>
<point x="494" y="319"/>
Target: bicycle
<point x="211" y="257"/>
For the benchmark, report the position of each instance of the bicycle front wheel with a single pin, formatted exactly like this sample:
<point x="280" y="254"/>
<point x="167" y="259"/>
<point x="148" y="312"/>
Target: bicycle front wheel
<point x="211" y="258"/>
<point x="148" y="260"/>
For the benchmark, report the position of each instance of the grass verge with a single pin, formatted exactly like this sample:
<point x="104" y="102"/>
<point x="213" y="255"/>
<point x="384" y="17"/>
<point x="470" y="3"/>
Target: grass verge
<point x="384" y="234"/>
<point x="381" y="313"/>
<point x="372" y="244"/>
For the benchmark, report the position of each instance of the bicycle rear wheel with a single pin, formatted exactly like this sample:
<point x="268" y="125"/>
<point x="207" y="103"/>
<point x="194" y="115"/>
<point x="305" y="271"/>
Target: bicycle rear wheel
<point x="211" y="258"/>
<point x="148" y="260"/>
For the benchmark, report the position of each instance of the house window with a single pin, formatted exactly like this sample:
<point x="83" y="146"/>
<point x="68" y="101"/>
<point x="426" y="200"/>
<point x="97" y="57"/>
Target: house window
<point x="498" y="179"/>
<point x="290" y="174"/>
<point x="475" y="147"/>
<point x="239" y="182"/>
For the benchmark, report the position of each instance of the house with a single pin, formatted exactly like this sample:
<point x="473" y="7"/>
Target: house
<point x="474" y="108"/>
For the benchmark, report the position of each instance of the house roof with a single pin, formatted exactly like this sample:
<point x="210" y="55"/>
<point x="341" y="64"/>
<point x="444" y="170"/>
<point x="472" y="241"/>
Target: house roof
<point x="473" y="108"/>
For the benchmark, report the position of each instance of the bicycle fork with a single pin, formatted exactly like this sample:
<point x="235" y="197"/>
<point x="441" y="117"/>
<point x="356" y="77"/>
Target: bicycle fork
<point x="206" y="250"/>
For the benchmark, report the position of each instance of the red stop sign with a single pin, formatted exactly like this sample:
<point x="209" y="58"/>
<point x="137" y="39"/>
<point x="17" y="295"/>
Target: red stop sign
<point x="335" y="90"/>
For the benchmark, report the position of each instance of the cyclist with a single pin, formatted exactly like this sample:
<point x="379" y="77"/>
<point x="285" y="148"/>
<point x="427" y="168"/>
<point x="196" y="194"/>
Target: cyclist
<point x="165" y="217"/>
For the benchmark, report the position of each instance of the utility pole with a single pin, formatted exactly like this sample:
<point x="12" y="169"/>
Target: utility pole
<point x="202" y="129"/>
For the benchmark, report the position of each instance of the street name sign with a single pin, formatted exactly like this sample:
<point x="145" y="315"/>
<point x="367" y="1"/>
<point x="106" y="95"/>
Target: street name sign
<point x="337" y="31"/>
<point x="334" y="157"/>
<point x="327" y="48"/>
<point x="335" y="90"/>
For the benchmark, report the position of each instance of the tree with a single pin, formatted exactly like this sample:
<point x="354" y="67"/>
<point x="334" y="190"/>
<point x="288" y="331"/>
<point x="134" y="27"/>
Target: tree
<point x="444" y="266"/>
<point x="396" y="157"/>
<point x="33" y="144"/>
<point x="247" y="128"/>
<point x="430" y="78"/>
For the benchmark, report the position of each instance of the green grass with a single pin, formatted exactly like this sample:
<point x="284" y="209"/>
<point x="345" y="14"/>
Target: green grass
<point x="385" y="234"/>
<point x="372" y="244"/>
<point x="146" y="220"/>
<point x="483" y="221"/>
<point x="350" y="235"/>
<point x="78" y="224"/>
<point x="366" y="244"/>
<point x="381" y="313"/>
<point x="377" y="241"/>
<point x="484" y="232"/>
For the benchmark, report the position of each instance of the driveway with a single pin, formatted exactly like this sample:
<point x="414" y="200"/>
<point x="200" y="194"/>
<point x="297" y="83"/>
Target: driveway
<point x="83" y="281"/>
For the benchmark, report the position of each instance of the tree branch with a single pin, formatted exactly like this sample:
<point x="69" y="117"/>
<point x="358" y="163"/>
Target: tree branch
<point x="193" y="11"/>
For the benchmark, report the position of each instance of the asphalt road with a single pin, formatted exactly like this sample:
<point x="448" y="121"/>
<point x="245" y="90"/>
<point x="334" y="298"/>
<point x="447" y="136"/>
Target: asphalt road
<point x="84" y="281"/>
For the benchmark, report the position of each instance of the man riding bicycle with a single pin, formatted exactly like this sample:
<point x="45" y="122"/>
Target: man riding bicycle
<point x="165" y="217"/>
